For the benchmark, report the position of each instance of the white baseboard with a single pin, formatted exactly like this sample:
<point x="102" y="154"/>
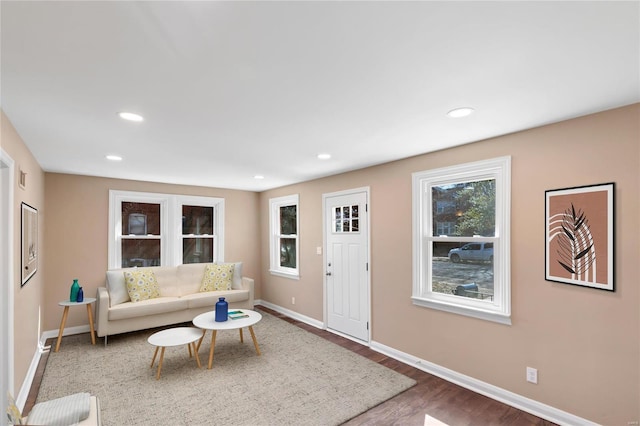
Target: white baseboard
<point x="307" y="320"/>
<point x="291" y="314"/>
<point x="22" y="396"/>
<point x="69" y="331"/>
<point x="517" y="401"/>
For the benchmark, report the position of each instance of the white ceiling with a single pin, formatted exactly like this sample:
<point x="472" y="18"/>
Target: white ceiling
<point x="230" y="90"/>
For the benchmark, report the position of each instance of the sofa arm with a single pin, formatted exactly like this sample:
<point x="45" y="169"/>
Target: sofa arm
<point x="248" y="284"/>
<point x="102" y="311"/>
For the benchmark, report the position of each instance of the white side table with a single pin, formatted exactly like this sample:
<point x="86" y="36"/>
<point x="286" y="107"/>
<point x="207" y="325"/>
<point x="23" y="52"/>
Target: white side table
<point x="174" y="337"/>
<point x="87" y="302"/>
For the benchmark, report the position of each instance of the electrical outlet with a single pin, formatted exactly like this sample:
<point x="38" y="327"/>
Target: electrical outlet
<point x="293" y="300"/>
<point x="532" y="375"/>
<point x="318" y="250"/>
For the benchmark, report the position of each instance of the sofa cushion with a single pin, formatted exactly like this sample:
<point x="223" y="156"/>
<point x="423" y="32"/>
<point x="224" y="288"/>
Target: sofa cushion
<point x="117" y="288"/>
<point x="167" y="277"/>
<point x="209" y="298"/>
<point x="217" y="277"/>
<point x="159" y="305"/>
<point x="236" y="284"/>
<point x="141" y="284"/>
<point x="190" y="277"/>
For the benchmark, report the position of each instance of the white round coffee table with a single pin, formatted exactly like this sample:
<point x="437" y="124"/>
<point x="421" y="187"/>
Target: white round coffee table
<point x="174" y="337"/>
<point x="207" y="321"/>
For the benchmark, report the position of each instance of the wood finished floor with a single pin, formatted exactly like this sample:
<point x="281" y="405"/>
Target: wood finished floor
<point x="449" y="403"/>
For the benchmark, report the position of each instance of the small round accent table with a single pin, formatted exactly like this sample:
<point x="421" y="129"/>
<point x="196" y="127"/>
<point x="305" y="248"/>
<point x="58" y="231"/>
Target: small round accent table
<point x="87" y="301"/>
<point x="177" y="336"/>
<point x="207" y="321"/>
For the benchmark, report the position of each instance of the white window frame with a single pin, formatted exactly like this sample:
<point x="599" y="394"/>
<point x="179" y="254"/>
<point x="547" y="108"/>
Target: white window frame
<point x="274" y="236"/>
<point x="170" y="224"/>
<point x="218" y="228"/>
<point x="498" y="309"/>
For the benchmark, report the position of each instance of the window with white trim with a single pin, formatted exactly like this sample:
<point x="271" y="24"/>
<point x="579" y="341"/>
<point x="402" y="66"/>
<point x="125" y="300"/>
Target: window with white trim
<point x="284" y="244"/>
<point x="463" y="267"/>
<point x="149" y="229"/>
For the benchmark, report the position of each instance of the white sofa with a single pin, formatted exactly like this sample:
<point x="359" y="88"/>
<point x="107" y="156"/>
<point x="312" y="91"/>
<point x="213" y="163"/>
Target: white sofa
<point x="180" y="299"/>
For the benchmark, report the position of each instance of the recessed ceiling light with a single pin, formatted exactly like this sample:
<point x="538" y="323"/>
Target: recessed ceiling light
<point x="324" y="156"/>
<point x="130" y="116"/>
<point x="258" y="177"/>
<point x="114" y="158"/>
<point x="460" y="112"/>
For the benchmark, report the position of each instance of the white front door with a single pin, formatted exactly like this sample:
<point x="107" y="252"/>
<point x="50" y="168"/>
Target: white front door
<point x="347" y="267"/>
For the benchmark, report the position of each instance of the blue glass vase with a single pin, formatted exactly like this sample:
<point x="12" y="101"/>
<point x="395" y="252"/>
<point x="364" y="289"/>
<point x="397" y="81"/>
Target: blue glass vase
<point x="222" y="309"/>
<point x="80" y="297"/>
<point x="75" y="287"/>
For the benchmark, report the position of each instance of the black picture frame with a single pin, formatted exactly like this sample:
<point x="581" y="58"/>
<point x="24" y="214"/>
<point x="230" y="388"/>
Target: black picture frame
<point x="29" y="242"/>
<point x="580" y="236"/>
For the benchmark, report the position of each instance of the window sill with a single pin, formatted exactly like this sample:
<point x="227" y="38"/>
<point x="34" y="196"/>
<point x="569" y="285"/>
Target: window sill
<point x="284" y="274"/>
<point x="463" y="310"/>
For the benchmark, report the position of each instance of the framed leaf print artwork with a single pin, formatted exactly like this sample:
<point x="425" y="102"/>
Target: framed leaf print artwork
<point x="579" y="236"/>
<point x="29" y="259"/>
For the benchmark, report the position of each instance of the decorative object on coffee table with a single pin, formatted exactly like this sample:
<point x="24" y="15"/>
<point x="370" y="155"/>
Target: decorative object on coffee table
<point x="222" y="308"/>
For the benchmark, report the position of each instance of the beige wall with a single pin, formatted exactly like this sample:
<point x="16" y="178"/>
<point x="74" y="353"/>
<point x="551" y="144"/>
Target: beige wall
<point x="77" y="228"/>
<point x="27" y="299"/>
<point x="585" y="343"/>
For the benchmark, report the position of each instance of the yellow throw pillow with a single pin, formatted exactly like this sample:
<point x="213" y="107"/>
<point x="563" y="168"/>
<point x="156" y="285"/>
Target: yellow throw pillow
<point x="217" y="277"/>
<point x="141" y="284"/>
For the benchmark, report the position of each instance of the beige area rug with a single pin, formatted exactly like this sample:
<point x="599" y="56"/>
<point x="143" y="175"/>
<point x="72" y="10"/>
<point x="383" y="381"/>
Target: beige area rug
<point x="300" y="379"/>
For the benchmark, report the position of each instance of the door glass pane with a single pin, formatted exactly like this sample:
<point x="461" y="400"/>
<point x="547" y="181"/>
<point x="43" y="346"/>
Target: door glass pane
<point x="140" y="218"/>
<point x="197" y="250"/>
<point x="140" y="252"/>
<point x="463" y="269"/>
<point x="347" y="219"/>
<point x="288" y="252"/>
<point x="288" y="222"/>
<point x="197" y="220"/>
<point x="464" y="209"/>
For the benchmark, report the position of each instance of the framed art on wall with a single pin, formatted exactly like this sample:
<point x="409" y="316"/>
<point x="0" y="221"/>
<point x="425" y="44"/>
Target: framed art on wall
<point x="29" y="249"/>
<point x="580" y="236"/>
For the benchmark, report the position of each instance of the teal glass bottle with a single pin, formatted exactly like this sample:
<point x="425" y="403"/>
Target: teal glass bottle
<point x="75" y="287"/>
